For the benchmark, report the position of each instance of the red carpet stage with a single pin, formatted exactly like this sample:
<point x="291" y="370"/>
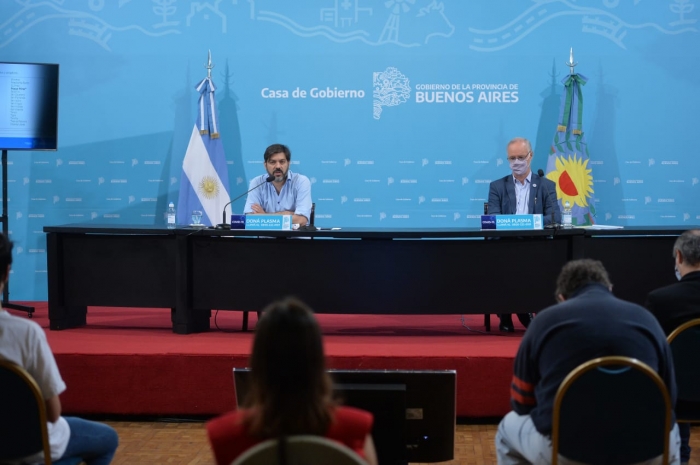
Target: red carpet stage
<point x="128" y="361"/>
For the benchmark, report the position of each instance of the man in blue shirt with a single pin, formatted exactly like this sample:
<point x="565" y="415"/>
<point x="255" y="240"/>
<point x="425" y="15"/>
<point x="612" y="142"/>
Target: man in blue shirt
<point x="286" y="194"/>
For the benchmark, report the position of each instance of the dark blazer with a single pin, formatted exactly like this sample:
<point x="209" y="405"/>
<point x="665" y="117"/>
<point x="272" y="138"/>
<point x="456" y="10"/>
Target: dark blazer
<point x="673" y="305"/>
<point x="543" y="198"/>
<point x="677" y="303"/>
<point x="591" y="323"/>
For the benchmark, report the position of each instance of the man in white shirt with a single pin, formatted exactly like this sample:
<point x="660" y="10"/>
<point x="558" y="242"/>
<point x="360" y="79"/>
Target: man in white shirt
<point x="24" y="343"/>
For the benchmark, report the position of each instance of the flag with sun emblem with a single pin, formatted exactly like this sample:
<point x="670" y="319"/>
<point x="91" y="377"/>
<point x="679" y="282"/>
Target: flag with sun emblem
<point x="567" y="164"/>
<point x="204" y="181"/>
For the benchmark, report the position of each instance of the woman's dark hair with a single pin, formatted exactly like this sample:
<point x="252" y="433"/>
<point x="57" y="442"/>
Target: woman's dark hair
<point x="5" y="256"/>
<point x="291" y="390"/>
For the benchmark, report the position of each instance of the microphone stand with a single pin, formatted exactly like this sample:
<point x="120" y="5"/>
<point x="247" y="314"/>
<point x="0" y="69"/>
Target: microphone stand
<point x="310" y="226"/>
<point x="551" y="225"/>
<point x="224" y="224"/>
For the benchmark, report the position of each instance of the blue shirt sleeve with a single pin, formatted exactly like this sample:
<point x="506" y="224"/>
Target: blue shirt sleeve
<point x="253" y="197"/>
<point x="302" y="191"/>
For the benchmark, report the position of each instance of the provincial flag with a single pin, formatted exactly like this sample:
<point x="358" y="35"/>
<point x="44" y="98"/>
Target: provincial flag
<point x="567" y="164"/>
<point x="204" y="181"/>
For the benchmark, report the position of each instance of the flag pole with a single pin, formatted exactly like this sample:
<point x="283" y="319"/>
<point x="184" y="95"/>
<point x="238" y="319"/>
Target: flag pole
<point x="204" y="184"/>
<point x="571" y="64"/>
<point x="209" y="66"/>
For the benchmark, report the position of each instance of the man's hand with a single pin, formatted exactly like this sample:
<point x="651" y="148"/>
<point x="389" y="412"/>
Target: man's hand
<point x="257" y="208"/>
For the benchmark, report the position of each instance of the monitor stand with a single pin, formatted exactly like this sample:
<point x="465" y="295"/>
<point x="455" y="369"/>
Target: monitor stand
<point x="5" y="229"/>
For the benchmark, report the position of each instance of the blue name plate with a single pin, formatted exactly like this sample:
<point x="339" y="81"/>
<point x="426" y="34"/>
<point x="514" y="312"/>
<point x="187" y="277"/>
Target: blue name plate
<point x="262" y="222"/>
<point x="511" y="222"/>
<point x="238" y="221"/>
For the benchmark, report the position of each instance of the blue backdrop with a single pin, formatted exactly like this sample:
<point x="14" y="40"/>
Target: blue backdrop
<point x="399" y="111"/>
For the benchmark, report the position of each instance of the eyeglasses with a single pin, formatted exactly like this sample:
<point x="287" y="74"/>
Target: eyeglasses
<point x="519" y="157"/>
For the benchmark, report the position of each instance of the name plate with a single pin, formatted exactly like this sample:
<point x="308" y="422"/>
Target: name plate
<point x="238" y="221"/>
<point x="511" y="222"/>
<point x="262" y="222"/>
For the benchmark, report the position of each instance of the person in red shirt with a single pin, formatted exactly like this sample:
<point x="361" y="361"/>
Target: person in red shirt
<point x="291" y="392"/>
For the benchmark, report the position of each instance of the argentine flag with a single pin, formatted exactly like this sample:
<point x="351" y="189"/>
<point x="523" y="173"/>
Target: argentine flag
<point x="204" y="181"/>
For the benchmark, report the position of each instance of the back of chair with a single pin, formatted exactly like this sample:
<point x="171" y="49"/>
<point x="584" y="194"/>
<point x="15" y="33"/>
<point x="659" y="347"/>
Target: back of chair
<point x="685" y="345"/>
<point x="299" y="450"/>
<point x="22" y="415"/>
<point x="611" y="410"/>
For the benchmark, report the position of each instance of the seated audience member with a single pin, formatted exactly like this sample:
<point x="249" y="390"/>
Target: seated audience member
<point x="680" y="302"/>
<point x="291" y="391"/>
<point x="589" y="322"/>
<point x="23" y="342"/>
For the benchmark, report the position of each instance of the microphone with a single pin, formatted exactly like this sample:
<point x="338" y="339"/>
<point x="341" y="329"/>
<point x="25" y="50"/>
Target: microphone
<point x="540" y="173"/>
<point x="224" y="224"/>
<point x="552" y="224"/>
<point x="310" y="226"/>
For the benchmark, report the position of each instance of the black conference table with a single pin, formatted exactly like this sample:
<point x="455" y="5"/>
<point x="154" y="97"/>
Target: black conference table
<point x="353" y="271"/>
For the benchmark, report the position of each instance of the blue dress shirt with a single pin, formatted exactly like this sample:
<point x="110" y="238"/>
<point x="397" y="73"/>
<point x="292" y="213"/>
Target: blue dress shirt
<point x="295" y="195"/>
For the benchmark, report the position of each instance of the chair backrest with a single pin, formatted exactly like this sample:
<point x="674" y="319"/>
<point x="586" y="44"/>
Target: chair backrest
<point x="611" y="410"/>
<point x="22" y="415"/>
<point x="685" y="345"/>
<point x="299" y="450"/>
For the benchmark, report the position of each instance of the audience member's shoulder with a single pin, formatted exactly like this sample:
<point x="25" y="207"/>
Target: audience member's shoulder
<point x="549" y="312"/>
<point x="669" y="291"/>
<point x="19" y="323"/>
<point x="689" y="283"/>
<point x="353" y="416"/>
<point x="639" y="312"/>
<point x="226" y="425"/>
<point x="545" y="319"/>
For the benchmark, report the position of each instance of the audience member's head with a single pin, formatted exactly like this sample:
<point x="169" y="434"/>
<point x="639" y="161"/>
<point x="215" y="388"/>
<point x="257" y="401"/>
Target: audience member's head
<point x="578" y="273"/>
<point x="686" y="251"/>
<point x="291" y="391"/>
<point x="5" y="258"/>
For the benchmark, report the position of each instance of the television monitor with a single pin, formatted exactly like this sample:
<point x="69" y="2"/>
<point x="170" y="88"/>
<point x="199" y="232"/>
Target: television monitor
<point x="428" y="399"/>
<point x="29" y="108"/>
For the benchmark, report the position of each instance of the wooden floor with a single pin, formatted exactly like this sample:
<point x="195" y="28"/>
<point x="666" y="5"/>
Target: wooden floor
<point x="186" y="443"/>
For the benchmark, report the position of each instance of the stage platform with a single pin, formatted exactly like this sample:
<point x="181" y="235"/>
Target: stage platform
<point x="128" y="361"/>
